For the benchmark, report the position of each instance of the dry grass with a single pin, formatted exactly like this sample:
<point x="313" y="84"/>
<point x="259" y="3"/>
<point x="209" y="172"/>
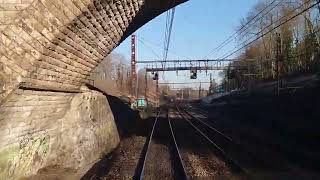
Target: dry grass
<point x="109" y="87"/>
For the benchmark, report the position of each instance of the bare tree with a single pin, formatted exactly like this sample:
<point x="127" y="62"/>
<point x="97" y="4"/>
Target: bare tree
<point x="299" y="39"/>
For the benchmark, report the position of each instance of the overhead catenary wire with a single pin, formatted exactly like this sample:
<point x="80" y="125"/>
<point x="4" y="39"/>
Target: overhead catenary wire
<point x="267" y="27"/>
<point x="274" y="28"/>
<point x="159" y="46"/>
<point x="245" y="30"/>
<point x="168" y="31"/>
<point x="244" y="27"/>
<point x="151" y="49"/>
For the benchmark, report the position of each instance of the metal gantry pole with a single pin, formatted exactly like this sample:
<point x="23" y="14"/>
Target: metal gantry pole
<point x="182" y="94"/>
<point x="200" y="91"/>
<point x="146" y="85"/>
<point x="133" y="65"/>
<point x="137" y="87"/>
<point x="157" y="85"/>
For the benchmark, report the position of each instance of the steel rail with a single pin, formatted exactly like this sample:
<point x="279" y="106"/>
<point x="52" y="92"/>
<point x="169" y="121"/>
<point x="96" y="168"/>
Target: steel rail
<point x="182" y="168"/>
<point x="220" y="149"/>
<point x="200" y="111"/>
<point x="177" y="152"/>
<point x="209" y="126"/>
<point x="149" y="142"/>
<point x="250" y="153"/>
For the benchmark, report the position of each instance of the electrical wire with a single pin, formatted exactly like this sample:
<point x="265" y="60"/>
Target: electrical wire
<point x="261" y="31"/>
<point x="170" y="51"/>
<point x="151" y="49"/>
<point x="274" y="28"/>
<point x="168" y="31"/>
<point x="244" y="27"/>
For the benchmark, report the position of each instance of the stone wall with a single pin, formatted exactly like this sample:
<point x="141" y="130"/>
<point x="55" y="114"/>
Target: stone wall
<point x="50" y="131"/>
<point x="48" y="49"/>
<point x="55" y="44"/>
<point x="9" y="10"/>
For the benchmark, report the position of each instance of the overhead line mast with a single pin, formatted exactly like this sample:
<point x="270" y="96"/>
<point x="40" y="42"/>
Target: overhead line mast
<point x="133" y="65"/>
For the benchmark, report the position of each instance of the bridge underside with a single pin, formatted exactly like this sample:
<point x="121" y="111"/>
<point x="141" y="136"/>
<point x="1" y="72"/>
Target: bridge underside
<point x="55" y="44"/>
<point x="48" y="50"/>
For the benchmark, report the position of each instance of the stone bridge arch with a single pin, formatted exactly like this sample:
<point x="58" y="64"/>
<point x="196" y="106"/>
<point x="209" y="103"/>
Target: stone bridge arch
<point x="48" y="49"/>
<point x="55" y="44"/>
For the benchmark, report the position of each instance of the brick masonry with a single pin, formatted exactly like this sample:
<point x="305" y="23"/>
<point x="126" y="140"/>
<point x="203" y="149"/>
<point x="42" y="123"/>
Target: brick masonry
<point x="55" y="44"/>
<point x="48" y="49"/>
<point x="9" y="9"/>
<point x="40" y="130"/>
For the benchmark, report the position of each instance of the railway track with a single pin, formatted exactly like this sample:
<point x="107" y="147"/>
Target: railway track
<point x="234" y="154"/>
<point x="255" y="164"/>
<point x="263" y="163"/>
<point x="176" y="163"/>
<point x="238" y="159"/>
<point x="203" y="113"/>
<point x="200" y="111"/>
<point x="203" y="129"/>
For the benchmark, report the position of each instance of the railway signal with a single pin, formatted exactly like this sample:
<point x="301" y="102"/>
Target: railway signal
<point x="193" y="74"/>
<point x="156" y="76"/>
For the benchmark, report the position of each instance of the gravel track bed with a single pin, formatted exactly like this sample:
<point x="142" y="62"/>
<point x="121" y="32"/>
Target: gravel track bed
<point x="158" y="163"/>
<point x="199" y="159"/>
<point x="127" y="160"/>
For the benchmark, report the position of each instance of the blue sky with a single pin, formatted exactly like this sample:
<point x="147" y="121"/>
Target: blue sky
<point x="199" y="26"/>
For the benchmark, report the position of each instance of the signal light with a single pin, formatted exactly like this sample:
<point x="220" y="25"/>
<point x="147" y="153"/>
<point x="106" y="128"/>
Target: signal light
<point x="193" y="74"/>
<point x="156" y="76"/>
